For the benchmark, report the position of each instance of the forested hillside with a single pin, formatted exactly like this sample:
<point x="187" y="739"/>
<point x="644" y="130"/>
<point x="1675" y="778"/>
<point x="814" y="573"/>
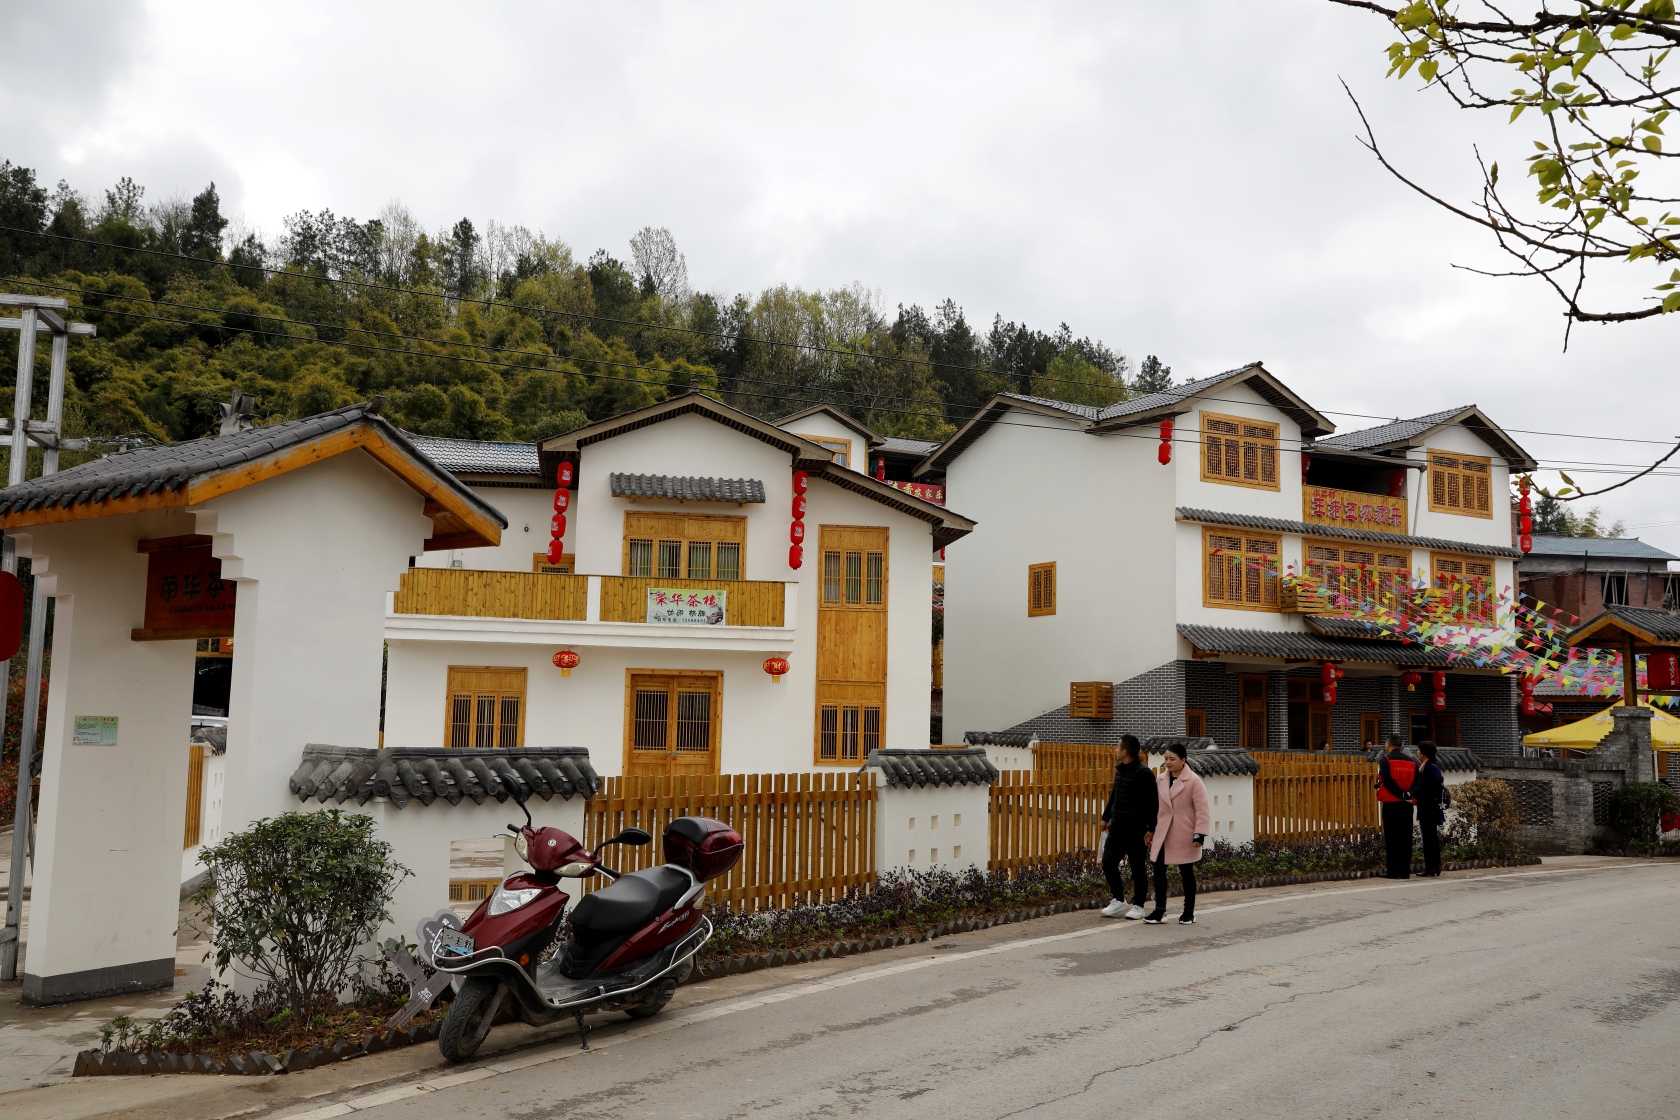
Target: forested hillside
<point x="483" y="333"/>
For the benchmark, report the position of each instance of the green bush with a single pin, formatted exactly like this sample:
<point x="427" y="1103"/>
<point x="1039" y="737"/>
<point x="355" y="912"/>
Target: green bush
<point x="292" y="899"/>
<point x="1637" y="808"/>
<point x="1484" y="812"/>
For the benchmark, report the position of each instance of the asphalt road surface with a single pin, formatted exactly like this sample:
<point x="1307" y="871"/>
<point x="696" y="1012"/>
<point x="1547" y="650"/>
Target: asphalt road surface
<point x="1530" y="993"/>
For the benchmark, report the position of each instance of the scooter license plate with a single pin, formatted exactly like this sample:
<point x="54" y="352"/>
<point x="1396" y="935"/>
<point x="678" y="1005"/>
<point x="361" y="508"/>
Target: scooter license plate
<point x="454" y="943"/>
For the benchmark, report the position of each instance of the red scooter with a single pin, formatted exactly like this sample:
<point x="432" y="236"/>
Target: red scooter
<point x="632" y="942"/>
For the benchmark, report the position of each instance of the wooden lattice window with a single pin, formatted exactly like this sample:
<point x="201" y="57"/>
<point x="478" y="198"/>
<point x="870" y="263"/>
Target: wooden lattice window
<point x="674" y="716"/>
<point x="486" y="707"/>
<point x="1252" y="701"/>
<point x="1041" y="589"/>
<point x="1370" y="729"/>
<point x="1091" y="699"/>
<point x="842" y="448"/>
<point x="1241" y="570"/>
<point x="1195" y="723"/>
<point x="1466" y="586"/>
<point x="1239" y="451"/>
<point x="1460" y="484"/>
<point x="541" y="566"/>
<point x="848" y="721"/>
<point x="679" y="546"/>
<point x="1360" y="579"/>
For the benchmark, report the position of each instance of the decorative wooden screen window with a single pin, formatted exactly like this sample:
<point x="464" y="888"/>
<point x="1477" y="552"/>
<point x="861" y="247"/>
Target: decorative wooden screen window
<point x="842" y="448"/>
<point x="677" y="546"/>
<point x="486" y="707"/>
<point x="1195" y="723"/>
<point x="1370" y="730"/>
<point x="1239" y="451"/>
<point x="848" y="721"/>
<point x="1041" y="589"/>
<point x="1466" y="586"/>
<point x="1252" y="699"/>
<point x="1460" y="484"/>
<point x="854" y="578"/>
<point x="1091" y="699"/>
<point x="673" y="722"/>
<point x="541" y="566"/>
<point x="1361" y="579"/>
<point x="1242" y="571"/>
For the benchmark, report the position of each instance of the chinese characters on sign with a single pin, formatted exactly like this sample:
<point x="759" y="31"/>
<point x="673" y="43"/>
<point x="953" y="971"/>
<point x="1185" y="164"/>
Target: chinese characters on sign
<point x="926" y="491"/>
<point x="1353" y="510"/>
<point x="185" y="591"/>
<point x="686" y="607"/>
<point x="94" y="731"/>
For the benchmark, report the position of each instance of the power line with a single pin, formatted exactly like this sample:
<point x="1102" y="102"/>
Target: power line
<point x="740" y="337"/>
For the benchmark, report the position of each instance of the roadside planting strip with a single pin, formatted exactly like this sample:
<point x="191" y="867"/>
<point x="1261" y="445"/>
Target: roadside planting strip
<point x="833" y="983"/>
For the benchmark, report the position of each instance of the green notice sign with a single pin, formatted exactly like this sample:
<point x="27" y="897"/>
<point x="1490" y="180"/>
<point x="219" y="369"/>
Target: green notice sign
<point x="95" y="731"/>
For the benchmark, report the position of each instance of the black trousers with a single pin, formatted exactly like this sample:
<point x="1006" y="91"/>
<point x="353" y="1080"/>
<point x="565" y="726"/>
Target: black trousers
<point x="1397" y="835"/>
<point x="1186" y="878"/>
<point x="1128" y="845"/>
<point x="1431" y="845"/>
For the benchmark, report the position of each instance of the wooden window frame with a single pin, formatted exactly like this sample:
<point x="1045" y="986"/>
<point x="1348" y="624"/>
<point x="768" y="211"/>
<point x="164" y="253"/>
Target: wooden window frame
<point x="1371" y="721"/>
<point x="1265" y="711"/>
<point x="713" y="676"/>
<point x="737" y="535"/>
<point x="864" y="579"/>
<point x="1384" y="579"/>
<point x="1037" y="607"/>
<point x="831" y="443"/>
<point x="842" y="697"/>
<point x="1195" y="723"/>
<point x="1216" y="439"/>
<point x="1489" y="612"/>
<point x="457" y="682"/>
<point x="541" y="566"/>
<point x="1246" y="536"/>
<point x="1450" y="477"/>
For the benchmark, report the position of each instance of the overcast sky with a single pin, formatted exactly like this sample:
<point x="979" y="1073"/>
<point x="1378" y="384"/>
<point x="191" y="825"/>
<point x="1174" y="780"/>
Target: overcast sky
<point x="1188" y="187"/>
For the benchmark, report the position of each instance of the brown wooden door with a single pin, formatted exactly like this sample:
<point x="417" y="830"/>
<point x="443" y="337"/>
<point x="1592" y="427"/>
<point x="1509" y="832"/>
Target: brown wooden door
<point x="851" y="643"/>
<point x="672" y="722"/>
<point x="1253" y="729"/>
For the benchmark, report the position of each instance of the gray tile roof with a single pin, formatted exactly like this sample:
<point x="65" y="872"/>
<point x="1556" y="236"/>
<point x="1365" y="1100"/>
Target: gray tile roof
<point x="1626" y="548"/>
<point x="211" y="735"/>
<point x="472" y="456"/>
<point x="428" y="773"/>
<point x="1206" y="758"/>
<point x="1661" y="625"/>
<point x="902" y="446"/>
<point x="1395" y="431"/>
<point x="687" y="489"/>
<point x="904" y="767"/>
<point x="171" y="466"/>
<point x="1309" y="647"/>
<point x="1346" y="627"/>
<point x="998" y="738"/>
<point x="1281" y="525"/>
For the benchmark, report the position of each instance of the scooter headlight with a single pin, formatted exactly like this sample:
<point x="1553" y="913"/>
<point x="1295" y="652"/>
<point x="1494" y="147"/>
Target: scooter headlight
<point x="519" y="846"/>
<point x="504" y="900"/>
<point x="576" y="869"/>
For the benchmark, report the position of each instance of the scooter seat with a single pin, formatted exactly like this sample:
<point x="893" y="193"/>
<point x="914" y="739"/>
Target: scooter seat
<point x="632" y="901"/>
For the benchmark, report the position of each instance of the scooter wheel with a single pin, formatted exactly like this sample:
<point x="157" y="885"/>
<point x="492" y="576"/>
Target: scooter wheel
<point x="470" y="1017"/>
<point x="646" y="1010"/>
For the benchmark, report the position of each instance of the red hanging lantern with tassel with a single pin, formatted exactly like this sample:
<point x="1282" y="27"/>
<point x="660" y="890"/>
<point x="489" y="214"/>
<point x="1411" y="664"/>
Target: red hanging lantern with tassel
<point x="1163" y="454"/>
<point x="1525" y="522"/>
<point x="566" y="661"/>
<point x="777" y="667"/>
<point x="1411" y="678"/>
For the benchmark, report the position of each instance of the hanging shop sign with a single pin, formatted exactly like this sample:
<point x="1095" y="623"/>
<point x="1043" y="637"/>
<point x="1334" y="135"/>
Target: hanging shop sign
<point x="1350" y="509"/>
<point x="686" y="607"/>
<point x="186" y="596"/>
<point x="926" y="491"/>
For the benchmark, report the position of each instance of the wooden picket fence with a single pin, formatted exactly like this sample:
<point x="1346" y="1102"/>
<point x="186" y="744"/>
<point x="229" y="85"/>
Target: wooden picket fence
<point x="1075" y="756"/>
<point x="1306" y="795"/>
<point x="195" y="796"/>
<point x="808" y="836"/>
<point x="1038" y="815"/>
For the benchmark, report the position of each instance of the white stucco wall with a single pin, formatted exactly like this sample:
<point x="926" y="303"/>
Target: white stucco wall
<point x="921" y="827"/>
<point x="1452" y="526"/>
<point x="108" y="838"/>
<point x="828" y="427"/>
<point x="529" y="512"/>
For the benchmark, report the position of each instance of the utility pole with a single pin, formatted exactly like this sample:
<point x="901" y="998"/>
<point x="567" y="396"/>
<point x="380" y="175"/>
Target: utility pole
<point x="35" y="313"/>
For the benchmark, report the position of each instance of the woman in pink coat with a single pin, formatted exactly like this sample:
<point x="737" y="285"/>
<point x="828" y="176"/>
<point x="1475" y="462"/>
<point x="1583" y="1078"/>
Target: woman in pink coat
<point x="1180" y="827"/>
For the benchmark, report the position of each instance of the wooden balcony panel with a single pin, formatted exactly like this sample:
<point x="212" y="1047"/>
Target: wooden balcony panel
<point x="468" y="593"/>
<point x="750" y="602"/>
<point x="1350" y="509"/>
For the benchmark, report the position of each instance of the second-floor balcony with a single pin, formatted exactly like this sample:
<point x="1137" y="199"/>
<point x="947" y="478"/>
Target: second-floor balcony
<point x="470" y="604"/>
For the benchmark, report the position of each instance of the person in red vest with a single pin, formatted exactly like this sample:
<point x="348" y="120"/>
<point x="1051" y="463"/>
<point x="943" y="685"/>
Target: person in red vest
<point x="1395" y="773"/>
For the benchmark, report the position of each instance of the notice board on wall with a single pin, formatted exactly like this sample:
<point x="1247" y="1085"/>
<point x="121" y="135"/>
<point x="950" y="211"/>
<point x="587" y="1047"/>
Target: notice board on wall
<point x="186" y="596"/>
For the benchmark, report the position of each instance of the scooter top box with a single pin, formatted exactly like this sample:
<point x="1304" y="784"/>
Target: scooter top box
<point x="706" y="847"/>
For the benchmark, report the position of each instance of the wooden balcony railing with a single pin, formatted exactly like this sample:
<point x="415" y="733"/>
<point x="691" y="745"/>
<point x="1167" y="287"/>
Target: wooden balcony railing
<point x="475" y="594"/>
<point x="749" y="602"/>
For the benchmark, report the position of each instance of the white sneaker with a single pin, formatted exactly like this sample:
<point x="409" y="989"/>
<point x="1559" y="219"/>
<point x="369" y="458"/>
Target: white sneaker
<point x="1135" y="913"/>
<point x="1113" y="909"/>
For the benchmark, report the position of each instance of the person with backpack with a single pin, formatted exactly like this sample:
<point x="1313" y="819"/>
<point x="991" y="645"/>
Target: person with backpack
<point x="1127" y="818"/>
<point x="1429" y="787"/>
<point x="1395" y="774"/>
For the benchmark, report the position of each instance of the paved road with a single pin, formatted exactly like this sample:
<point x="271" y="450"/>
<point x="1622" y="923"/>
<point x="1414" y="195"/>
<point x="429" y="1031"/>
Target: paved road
<point x="1544" y="992"/>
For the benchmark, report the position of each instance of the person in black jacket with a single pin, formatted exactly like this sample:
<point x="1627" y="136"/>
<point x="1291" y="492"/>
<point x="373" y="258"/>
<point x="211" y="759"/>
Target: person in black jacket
<point x="1426" y="788"/>
<point x="1128" y="816"/>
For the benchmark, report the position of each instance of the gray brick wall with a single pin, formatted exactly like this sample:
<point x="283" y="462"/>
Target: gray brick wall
<point x="1277" y="710"/>
<point x="1487" y="713"/>
<point x="1152" y="703"/>
<point x="1208" y="686"/>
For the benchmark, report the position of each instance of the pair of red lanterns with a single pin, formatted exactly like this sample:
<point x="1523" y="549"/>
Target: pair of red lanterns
<point x="1525" y="517"/>
<point x="1163" y="454"/>
<point x="557" y="527"/>
<point x="1411" y="678"/>
<point x="796" y="531"/>
<point x="1526" y="686"/>
<point x="1328" y="675"/>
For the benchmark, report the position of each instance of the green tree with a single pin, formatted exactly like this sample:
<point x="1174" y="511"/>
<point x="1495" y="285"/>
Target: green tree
<point x="1152" y="376"/>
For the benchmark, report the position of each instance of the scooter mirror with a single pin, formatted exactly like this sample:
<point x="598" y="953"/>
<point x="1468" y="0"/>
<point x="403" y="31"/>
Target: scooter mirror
<point x="635" y="837"/>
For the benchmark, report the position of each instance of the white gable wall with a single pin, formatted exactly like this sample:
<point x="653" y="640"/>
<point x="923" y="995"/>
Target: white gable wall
<point x="821" y="424"/>
<point x="528" y="511"/>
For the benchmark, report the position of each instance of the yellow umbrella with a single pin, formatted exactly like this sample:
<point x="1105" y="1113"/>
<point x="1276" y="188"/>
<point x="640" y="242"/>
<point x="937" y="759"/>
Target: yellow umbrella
<point x="1585" y="734"/>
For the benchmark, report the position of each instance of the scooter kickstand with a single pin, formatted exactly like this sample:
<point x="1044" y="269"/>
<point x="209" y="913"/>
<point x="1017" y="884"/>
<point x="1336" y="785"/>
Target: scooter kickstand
<point x="583" y="1028"/>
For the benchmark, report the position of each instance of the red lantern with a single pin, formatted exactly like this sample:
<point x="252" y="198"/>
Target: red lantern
<point x="562" y="501"/>
<point x="1396" y="483"/>
<point x="777" y="667"/>
<point x="1662" y="671"/>
<point x="1410" y="679"/>
<point x="1329" y="694"/>
<point x="566" y="661"/>
<point x="557" y="525"/>
<point x="1525" y="543"/>
<point x="796" y="532"/>
<point x="1440" y="681"/>
<point x="796" y="556"/>
<point x="1440" y="701"/>
<point x="556" y="551"/>
<point x="1526" y="685"/>
<point x="1163" y="455"/>
<point x="798" y="508"/>
<point x="880" y="468"/>
<point x="564" y="476"/>
<point x="1327" y="673"/>
<point x="800" y="482"/>
<point x="1306" y="461"/>
<point x="1528" y="705"/>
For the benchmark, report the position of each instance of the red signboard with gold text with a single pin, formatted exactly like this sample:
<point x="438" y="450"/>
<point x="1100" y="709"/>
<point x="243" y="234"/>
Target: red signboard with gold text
<point x="185" y="591"/>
